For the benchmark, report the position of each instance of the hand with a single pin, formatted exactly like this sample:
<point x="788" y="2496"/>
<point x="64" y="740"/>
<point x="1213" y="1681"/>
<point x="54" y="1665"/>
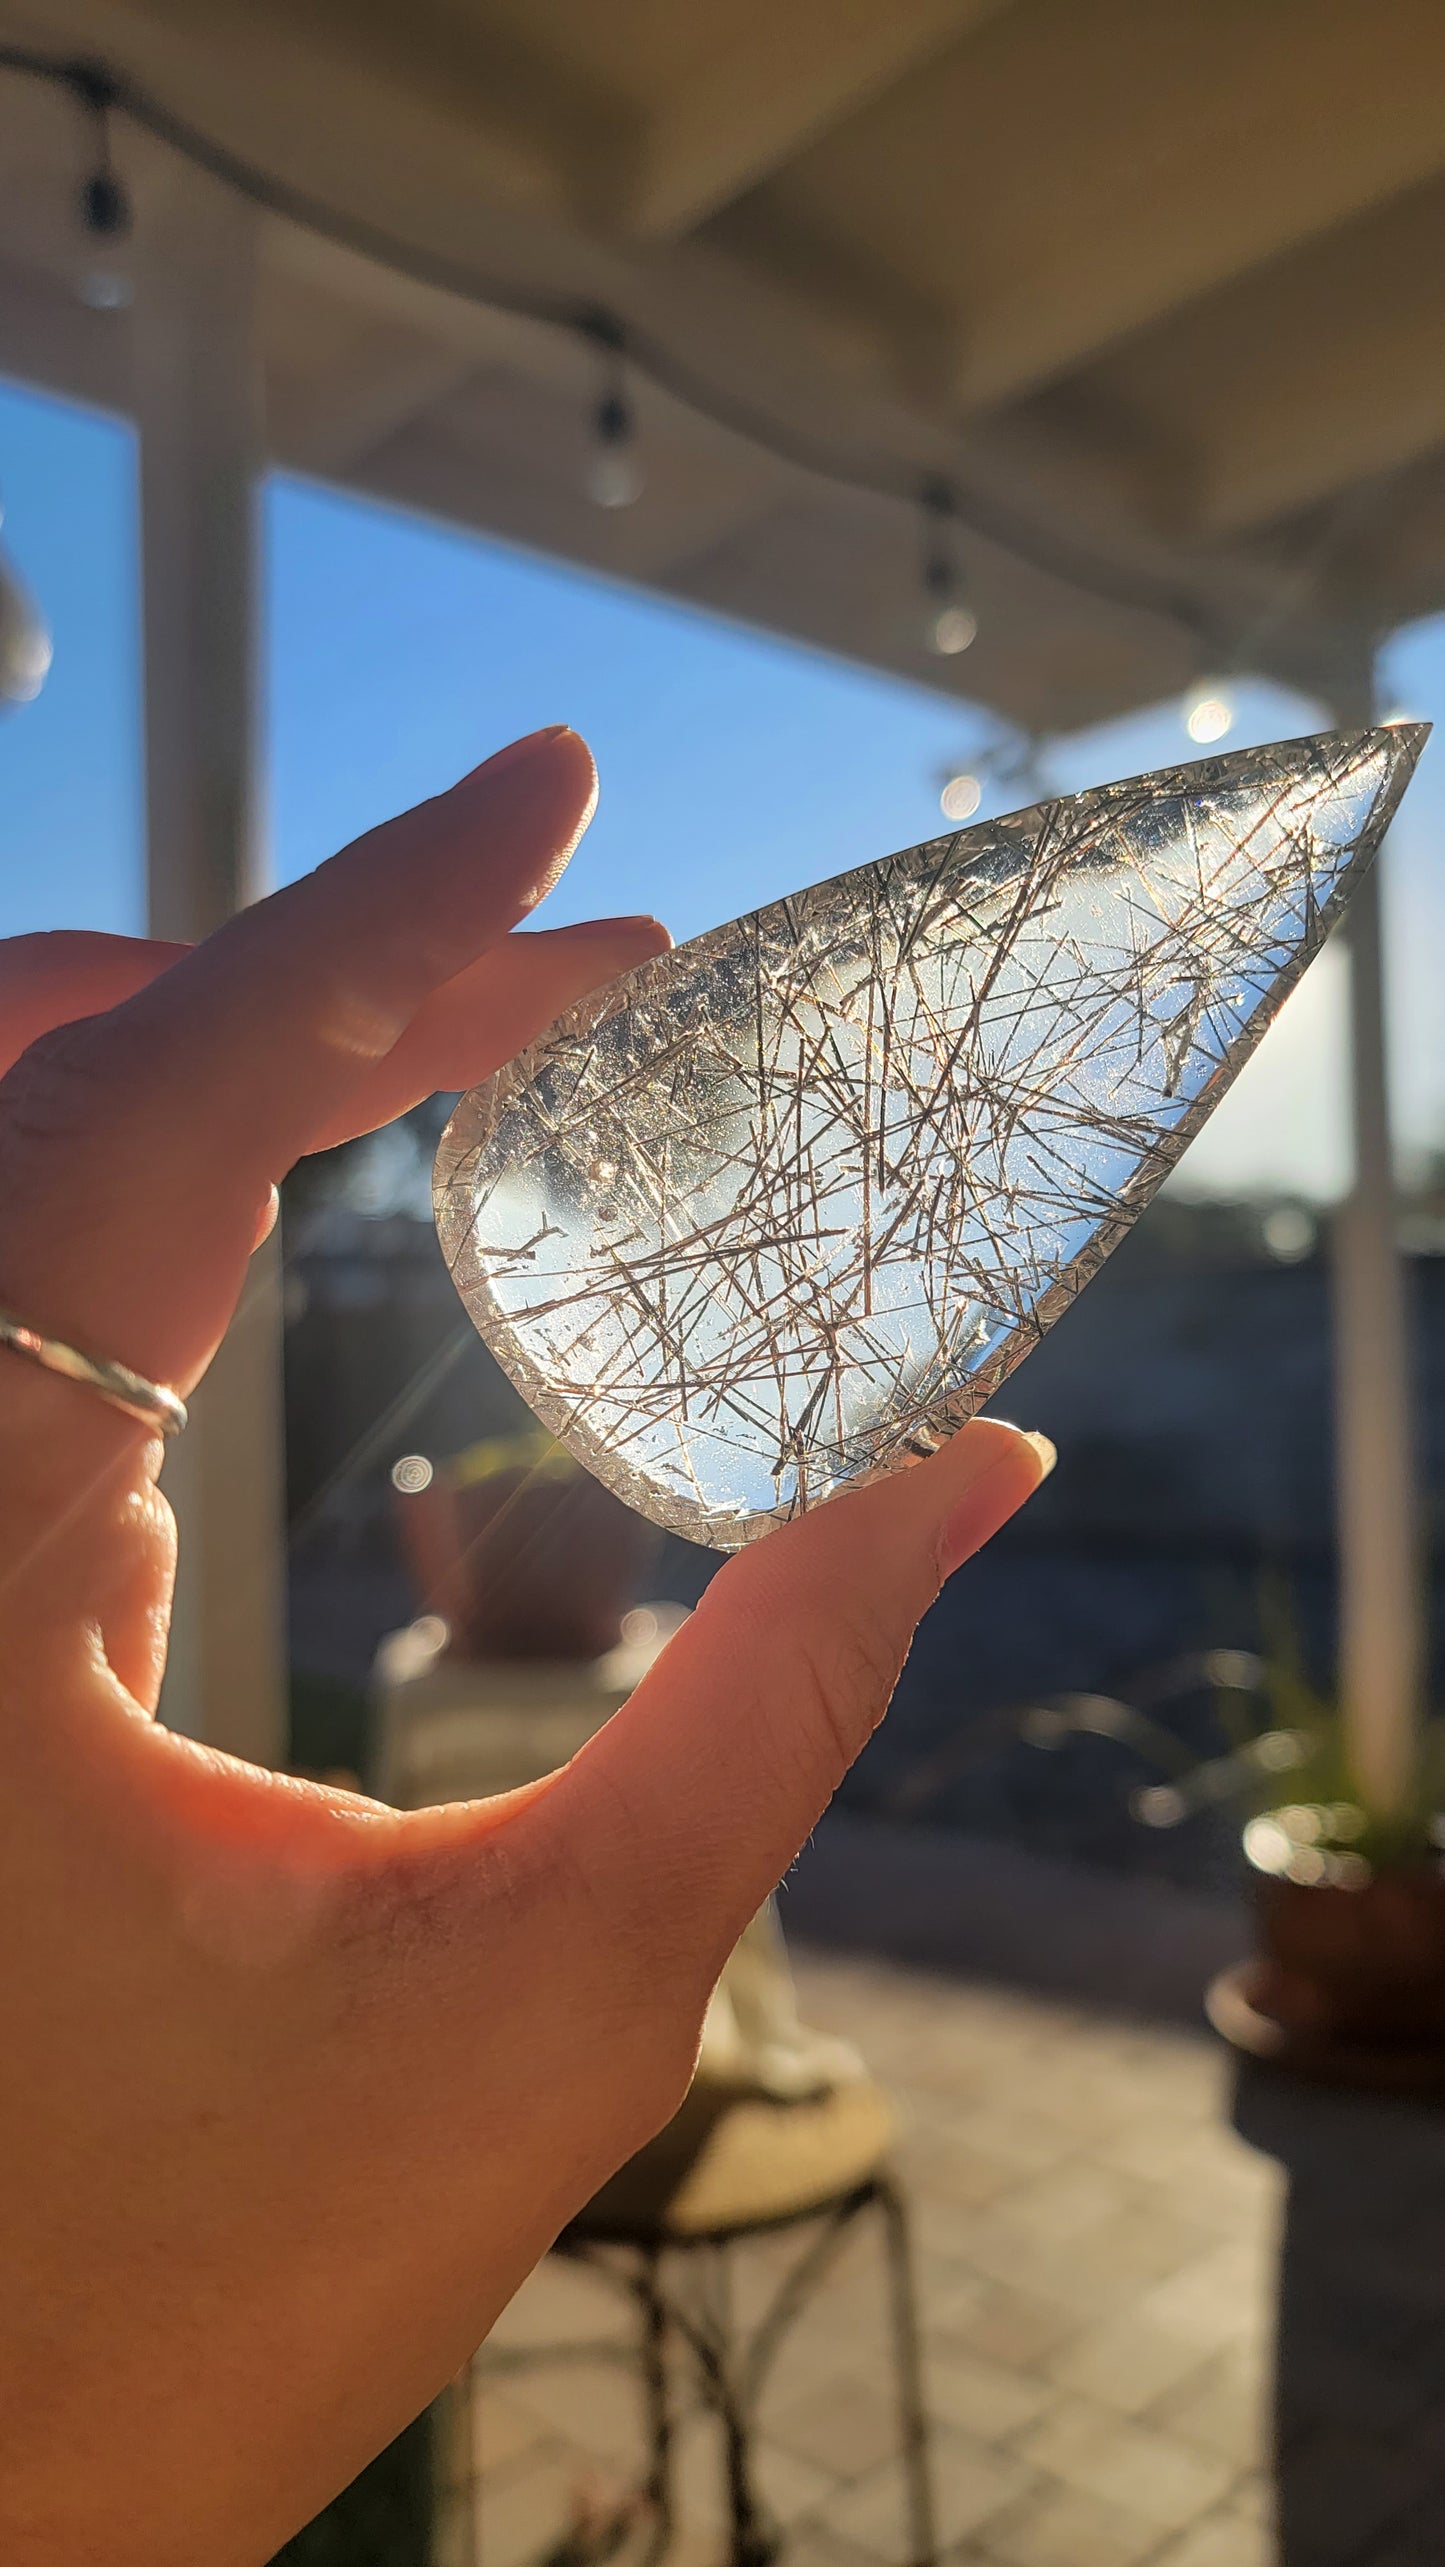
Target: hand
<point x="298" y="2088"/>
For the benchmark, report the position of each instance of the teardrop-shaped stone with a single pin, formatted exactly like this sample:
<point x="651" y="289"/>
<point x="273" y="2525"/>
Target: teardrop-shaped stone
<point x="776" y="1211"/>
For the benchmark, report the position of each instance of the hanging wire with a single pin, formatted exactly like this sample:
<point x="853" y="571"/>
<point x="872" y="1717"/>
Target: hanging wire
<point x="1228" y="647"/>
<point x="1060" y="556"/>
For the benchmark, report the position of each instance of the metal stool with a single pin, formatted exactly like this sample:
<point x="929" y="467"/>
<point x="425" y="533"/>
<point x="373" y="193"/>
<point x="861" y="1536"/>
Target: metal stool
<point x="729" y="2169"/>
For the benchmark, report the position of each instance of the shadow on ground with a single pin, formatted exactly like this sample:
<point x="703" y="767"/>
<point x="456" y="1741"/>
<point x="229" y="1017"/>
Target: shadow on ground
<point x="1359" y="2383"/>
<point x="975" y="1908"/>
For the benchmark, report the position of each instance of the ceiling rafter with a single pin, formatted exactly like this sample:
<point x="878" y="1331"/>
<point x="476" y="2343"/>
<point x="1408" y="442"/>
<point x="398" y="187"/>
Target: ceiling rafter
<point x="1070" y="177"/>
<point x="442" y="189"/>
<point x="774" y="80"/>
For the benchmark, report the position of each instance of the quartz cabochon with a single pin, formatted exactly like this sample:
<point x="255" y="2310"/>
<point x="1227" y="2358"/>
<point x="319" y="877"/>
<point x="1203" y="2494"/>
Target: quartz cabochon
<point x="778" y="1210"/>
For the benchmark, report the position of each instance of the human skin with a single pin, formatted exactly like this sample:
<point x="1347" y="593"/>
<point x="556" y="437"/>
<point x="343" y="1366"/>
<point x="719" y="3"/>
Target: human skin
<point x="296" y="2088"/>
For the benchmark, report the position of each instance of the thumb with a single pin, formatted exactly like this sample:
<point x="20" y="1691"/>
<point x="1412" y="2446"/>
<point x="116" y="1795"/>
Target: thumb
<point x="687" y="1809"/>
<point x="64" y="973"/>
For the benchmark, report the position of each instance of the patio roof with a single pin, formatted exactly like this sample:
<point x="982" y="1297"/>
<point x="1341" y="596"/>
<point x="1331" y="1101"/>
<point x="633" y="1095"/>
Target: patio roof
<point x="1155" y="289"/>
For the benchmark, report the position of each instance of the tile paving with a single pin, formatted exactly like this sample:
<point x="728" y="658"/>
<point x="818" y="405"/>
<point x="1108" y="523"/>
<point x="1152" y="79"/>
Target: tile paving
<point x="1095" y="2255"/>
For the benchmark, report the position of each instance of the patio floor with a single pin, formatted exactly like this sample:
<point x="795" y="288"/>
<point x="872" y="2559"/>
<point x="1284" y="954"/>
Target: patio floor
<point x="1096" y="2255"/>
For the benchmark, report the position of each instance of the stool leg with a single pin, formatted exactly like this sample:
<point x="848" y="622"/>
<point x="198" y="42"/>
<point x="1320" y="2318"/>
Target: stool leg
<point x="753" y="2545"/>
<point x="725" y="2385"/>
<point x="656" y="2406"/>
<point x="912" y="2419"/>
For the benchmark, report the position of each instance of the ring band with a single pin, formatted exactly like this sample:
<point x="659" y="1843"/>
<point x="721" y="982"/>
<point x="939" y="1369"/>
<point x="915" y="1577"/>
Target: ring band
<point x="148" y="1402"/>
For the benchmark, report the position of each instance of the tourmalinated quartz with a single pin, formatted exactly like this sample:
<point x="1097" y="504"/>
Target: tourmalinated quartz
<point x="778" y="1210"/>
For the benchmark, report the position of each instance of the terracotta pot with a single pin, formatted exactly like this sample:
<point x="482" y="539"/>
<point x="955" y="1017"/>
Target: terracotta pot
<point x="525" y="1565"/>
<point x="1354" y="1965"/>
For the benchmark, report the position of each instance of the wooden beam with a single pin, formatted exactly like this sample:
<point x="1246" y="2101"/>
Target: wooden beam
<point x="554" y="132"/>
<point x="326" y="420"/>
<point x="1391" y="568"/>
<point x="1383" y="1612"/>
<point x="772" y="79"/>
<point x="48" y="337"/>
<point x="1285" y="388"/>
<point x="197" y="406"/>
<point x="1327" y="371"/>
<point x="351" y="106"/>
<point x="508" y="455"/>
<point x="1268" y="128"/>
<point x="1068" y="176"/>
<point x="870" y="325"/>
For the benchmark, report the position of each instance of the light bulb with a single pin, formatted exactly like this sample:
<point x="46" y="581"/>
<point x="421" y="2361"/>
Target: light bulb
<point x="25" y="647"/>
<point x="1208" y="714"/>
<point x="105" y="206"/>
<point x="951" y="630"/>
<point x="614" y="475"/>
<point x="960" y="797"/>
<point x="104" y="289"/>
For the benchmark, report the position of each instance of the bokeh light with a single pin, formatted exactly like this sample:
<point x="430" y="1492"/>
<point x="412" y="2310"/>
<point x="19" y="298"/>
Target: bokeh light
<point x="1208" y="715"/>
<point x="412" y="1474"/>
<point x="960" y="797"/>
<point x="953" y="629"/>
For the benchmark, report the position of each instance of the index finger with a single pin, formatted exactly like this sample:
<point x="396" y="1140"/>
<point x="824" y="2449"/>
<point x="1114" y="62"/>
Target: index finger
<point x="138" y="1148"/>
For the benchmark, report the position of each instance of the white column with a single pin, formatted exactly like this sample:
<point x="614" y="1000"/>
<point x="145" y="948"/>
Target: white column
<point x="197" y="406"/>
<point x="1382" y="1599"/>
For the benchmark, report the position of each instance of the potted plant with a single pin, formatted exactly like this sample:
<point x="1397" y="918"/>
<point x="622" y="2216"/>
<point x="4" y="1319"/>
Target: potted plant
<point x="1347" y="1981"/>
<point x="520" y="1551"/>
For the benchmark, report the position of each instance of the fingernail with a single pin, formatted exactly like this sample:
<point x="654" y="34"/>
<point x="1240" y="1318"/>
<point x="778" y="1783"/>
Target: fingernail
<point x="618" y="926"/>
<point x="517" y="750"/>
<point x="996" y="1492"/>
<point x="1046" y="1449"/>
<point x="609" y="926"/>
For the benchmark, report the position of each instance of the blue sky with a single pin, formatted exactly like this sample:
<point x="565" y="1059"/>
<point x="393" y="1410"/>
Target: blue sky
<point x="733" y="767"/>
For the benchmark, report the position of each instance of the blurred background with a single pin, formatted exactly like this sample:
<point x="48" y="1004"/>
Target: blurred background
<point x="856" y="423"/>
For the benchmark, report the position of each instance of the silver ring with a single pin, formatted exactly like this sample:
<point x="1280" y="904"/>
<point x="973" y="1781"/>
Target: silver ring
<point x="148" y="1402"/>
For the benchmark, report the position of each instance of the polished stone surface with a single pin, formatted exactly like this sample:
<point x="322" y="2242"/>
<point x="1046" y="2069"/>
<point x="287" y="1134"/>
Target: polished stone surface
<point x="776" y="1211"/>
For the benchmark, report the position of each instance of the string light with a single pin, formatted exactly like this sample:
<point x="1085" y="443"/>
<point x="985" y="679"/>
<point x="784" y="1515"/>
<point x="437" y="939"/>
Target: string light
<point x="614" y="476"/>
<point x="1208" y="713"/>
<point x="950" y="623"/>
<point x="1011" y="765"/>
<point x="25" y="650"/>
<point x="1058" y="555"/>
<point x="960" y="797"/>
<point x="104" y="203"/>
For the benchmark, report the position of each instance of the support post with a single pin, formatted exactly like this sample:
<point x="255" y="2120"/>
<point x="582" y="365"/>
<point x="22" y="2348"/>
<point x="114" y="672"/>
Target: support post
<point x="196" y="395"/>
<point x="1382" y="1665"/>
